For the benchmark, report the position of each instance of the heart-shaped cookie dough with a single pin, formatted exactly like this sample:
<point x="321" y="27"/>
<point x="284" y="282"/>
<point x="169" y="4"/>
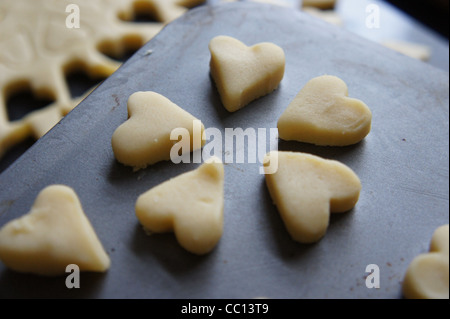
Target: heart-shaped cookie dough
<point x="323" y="114"/>
<point x="243" y="74"/>
<point x="190" y="205"/>
<point x="306" y="188"/>
<point x="144" y="138"/>
<point x="53" y="235"/>
<point x="427" y="277"/>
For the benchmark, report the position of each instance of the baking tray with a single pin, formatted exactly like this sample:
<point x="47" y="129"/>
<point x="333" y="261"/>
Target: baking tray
<point x="403" y="165"/>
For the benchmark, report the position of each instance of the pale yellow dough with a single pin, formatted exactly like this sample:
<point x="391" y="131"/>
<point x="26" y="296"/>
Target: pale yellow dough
<point x="427" y="277"/>
<point x="306" y="188"/>
<point x="37" y="49"/>
<point x="54" y="234"/>
<point x="144" y="139"/>
<point x="190" y="205"/>
<point x="323" y="114"/>
<point x="243" y="74"/>
<point x="440" y="240"/>
<point x="413" y="50"/>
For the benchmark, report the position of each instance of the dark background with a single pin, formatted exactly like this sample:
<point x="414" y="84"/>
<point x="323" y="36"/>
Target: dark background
<point x="433" y="13"/>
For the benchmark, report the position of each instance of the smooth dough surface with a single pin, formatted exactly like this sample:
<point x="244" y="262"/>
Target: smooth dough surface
<point x="190" y="205"/>
<point x="144" y="139"/>
<point x="306" y="188"/>
<point x="427" y="276"/>
<point x="241" y="73"/>
<point x="54" y="234"/>
<point x="323" y="114"/>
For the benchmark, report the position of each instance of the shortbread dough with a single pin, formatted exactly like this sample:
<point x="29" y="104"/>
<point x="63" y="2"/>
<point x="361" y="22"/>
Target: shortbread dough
<point x="190" y="205"/>
<point x="144" y="139"/>
<point x="54" y="234"/>
<point x="306" y="188"/>
<point x="36" y="50"/>
<point x="323" y="114"/>
<point x="322" y="4"/>
<point x="427" y="277"/>
<point x="243" y="74"/>
<point x="413" y="50"/>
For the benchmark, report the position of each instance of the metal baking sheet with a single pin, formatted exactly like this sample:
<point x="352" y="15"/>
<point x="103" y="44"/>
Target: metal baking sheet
<point x="403" y="165"/>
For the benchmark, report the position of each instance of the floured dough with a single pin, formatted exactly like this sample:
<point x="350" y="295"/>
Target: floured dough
<point x="36" y="49"/>
<point x="243" y="74"/>
<point x="54" y="234"/>
<point x="190" y="205"/>
<point x="306" y="188"/>
<point x="145" y="138"/>
<point x="323" y="114"/>
<point x="427" y="277"/>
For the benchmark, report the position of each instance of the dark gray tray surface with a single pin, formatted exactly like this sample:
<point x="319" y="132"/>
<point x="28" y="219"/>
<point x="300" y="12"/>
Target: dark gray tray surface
<point x="403" y="165"/>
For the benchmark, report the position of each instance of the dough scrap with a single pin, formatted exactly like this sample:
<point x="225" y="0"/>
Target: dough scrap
<point x="427" y="277"/>
<point x="36" y="49"/>
<point x="323" y="114"/>
<point x="413" y="50"/>
<point x="54" y="234"/>
<point x="321" y="4"/>
<point x="190" y="205"/>
<point x="144" y="139"/>
<point x="306" y="188"/>
<point x="243" y="74"/>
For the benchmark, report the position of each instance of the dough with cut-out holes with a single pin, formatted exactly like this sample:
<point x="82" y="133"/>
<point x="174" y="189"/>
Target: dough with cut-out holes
<point x="145" y="138"/>
<point x="427" y="277"/>
<point x="243" y="74"/>
<point x="54" y="234"/>
<point x="190" y="205"/>
<point x="306" y="188"/>
<point x="323" y="114"/>
<point x="37" y="48"/>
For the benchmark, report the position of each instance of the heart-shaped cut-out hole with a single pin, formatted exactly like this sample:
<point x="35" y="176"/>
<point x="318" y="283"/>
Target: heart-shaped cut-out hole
<point x="144" y="138"/>
<point x="306" y="188"/>
<point x="190" y="205"/>
<point x="323" y="114"/>
<point x="53" y="235"/>
<point x="243" y="74"/>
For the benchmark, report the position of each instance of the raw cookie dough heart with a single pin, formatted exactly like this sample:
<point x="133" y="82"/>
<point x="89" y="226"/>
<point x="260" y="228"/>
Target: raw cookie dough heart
<point x="427" y="277"/>
<point x="53" y="235"/>
<point x="243" y="74"/>
<point x="191" y="205"/>
<point x="306" y="188"/>
<point x="144" y="138"/>
<point x="322" y="114"/>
